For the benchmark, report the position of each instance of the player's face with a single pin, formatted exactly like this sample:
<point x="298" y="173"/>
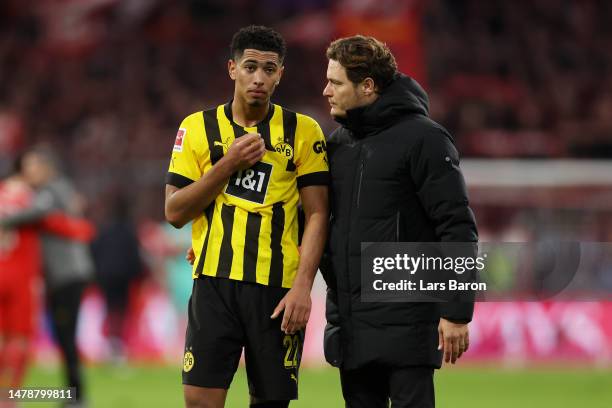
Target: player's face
<point x="35" y="170"/>
<point x="256" y="75"/>
<point x="341" y="93"/>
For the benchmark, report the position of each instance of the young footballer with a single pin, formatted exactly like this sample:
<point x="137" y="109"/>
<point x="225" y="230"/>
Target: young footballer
<point x="237" y="173"/>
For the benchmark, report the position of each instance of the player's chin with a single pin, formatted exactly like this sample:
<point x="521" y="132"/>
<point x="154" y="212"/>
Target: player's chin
<point x="259" y="101"/>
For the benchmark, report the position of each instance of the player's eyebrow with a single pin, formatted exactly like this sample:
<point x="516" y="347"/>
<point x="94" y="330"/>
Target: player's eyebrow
<point x="254" y="61"/>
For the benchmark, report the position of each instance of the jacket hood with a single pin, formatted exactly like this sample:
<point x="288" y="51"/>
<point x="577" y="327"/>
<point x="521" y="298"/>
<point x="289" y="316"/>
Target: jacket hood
<point x="402" y="97"/>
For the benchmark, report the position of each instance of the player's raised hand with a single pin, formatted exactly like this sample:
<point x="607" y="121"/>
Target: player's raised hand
<point x="296" y="304"/>
<point x="245" y="151"/>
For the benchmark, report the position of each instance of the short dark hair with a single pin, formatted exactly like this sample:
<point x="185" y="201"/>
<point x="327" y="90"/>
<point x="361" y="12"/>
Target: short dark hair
<point x="364" y="57"/>
<point x="258" y="38"/>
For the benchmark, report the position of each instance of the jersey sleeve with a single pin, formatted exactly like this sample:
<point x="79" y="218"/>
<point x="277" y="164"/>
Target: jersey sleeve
<point x="188" y="152"/>
<point x="311" y="154"/>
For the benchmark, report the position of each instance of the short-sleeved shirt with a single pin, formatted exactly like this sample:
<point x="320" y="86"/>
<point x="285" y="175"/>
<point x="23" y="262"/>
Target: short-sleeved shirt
<point x="250" y="231"/>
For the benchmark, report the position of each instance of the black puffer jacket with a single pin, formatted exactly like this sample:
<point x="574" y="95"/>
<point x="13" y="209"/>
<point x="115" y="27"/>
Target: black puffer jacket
<point x="394" y="177"/>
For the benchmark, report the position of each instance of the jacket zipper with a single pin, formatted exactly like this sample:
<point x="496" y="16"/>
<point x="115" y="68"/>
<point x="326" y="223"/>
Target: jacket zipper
<point x="350" y="217"/>
<point x="397" y="227"/>
<point x="359" y="185"/>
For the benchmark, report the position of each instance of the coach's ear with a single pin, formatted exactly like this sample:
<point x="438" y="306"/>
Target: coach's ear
<point x="368" y="87"/>
<point x="231" y="69"/>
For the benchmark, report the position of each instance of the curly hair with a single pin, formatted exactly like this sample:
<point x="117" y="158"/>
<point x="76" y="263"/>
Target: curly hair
<point x="258" y="38"/>
<point x="364" y="57"/>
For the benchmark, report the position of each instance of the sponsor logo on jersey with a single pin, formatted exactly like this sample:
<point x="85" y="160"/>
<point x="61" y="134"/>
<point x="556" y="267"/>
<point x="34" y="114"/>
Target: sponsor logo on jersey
<point x="319" y="146"/>
<point x="178" y="142"/>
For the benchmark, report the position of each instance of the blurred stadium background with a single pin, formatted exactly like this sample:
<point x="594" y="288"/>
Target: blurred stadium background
<point x="525" y="87"/>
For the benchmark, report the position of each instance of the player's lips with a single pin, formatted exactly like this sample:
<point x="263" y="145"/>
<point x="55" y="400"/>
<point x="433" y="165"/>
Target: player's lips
<point x="256" y="92"/>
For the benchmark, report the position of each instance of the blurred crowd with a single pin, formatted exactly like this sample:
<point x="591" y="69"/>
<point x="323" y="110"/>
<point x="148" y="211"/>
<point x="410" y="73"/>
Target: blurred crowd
<point x="107" y="82"/>
<point x="523" y="79"/>
<point x="107" y="86"/>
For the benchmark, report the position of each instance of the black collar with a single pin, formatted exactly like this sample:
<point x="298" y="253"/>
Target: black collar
<point x="227" y="108"/>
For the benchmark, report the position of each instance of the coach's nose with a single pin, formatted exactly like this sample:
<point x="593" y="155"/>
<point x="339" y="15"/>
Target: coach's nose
<point x="327" y="90"/>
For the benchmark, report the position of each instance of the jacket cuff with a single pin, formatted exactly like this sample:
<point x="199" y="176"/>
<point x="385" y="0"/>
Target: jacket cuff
<point x="457" y="312"/>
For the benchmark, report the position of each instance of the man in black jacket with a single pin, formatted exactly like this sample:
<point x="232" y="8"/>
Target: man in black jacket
<point x="395" y="177"/>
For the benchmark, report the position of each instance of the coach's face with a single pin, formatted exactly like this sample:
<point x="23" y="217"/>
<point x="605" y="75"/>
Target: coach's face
<point x="256" y="74"/>
<point x="342" y="94"/>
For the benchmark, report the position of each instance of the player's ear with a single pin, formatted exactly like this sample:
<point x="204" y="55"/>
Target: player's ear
<point x="280" y="73"/>
<point x="231" y="69"/>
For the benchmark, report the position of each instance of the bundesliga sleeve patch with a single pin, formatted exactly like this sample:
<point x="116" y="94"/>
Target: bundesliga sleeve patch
<point x="178" y="142"/>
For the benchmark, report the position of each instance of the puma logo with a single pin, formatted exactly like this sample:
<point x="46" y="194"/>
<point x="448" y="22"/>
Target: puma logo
<point x="224" y="145"/>
<point x="294" y="378"/>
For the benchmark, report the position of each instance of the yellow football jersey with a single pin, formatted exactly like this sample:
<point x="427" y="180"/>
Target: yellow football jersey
<point x="250" y="232"/>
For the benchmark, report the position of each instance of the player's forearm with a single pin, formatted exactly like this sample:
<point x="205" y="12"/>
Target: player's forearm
<point x="313" y="243"/>
<point x="25" y="217"/>
<point x="187" y="203"/>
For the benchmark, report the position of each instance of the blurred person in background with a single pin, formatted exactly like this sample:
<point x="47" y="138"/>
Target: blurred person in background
<point x="176" y="268"/>
<point x="238" y="171"/>
<point x="19" y="282"/>
<point x="395" y="177"/>
<point x="67" y="264"/>
<point x="116" y="254"/>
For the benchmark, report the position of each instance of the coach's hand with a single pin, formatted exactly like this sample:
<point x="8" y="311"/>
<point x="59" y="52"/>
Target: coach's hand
<point x="454" y="339"/>
<point x="245" y="151"/>
<point x="297" y="305"/>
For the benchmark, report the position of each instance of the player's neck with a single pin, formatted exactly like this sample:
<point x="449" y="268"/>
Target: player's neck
<point x="248" y="115"/>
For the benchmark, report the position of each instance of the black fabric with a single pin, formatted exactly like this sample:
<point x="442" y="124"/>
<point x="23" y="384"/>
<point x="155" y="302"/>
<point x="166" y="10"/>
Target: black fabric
<point x="375" y="386"/>
<point x="251" y="246"/>
<point x="395" y="177"/>
<point x="213" y="135"/>
<point x="63" y="305"/>
<point x="209" y="212"/>
<point x="177" y="180"/>
<point x="276" y="236"/>
<point x="289" y="128"/>
<point x="225" y="316"/>
<point x="270" y="404"/>
<point x="319" y="178"/>
<point x="226" y="253"/>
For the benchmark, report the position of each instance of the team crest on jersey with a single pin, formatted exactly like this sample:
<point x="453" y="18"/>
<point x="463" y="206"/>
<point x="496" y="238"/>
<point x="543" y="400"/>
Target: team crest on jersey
<point x="178" y="142"/>
<point x="188" y="361"/>
<point x="285" y="150"/>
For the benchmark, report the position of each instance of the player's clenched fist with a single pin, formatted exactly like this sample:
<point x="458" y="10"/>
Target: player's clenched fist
<point x="245" y="151"/>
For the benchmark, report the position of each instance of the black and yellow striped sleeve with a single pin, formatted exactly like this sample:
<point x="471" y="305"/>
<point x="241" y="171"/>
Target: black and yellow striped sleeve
<point x="187" y="153"/>
<point x="311" y="153"/>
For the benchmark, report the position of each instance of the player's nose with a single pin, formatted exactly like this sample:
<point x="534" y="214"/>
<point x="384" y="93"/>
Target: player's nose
<point x="258" y="78"/>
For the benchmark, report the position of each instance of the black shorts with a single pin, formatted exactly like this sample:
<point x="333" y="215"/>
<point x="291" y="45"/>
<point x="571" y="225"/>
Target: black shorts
<point x="226" y="315"/>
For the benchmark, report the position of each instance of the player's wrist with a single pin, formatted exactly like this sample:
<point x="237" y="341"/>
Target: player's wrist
<point x="227" y="166"/>
<point x="302" y="283"/>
